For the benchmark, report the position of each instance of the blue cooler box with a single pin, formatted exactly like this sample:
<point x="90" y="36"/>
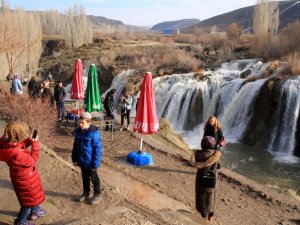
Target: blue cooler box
<point x="140" y="159"/>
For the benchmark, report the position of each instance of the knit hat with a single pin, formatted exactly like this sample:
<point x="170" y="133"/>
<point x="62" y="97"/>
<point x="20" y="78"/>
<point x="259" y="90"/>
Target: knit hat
<point x="208" y="142"/>
<point x="86" y="115"/>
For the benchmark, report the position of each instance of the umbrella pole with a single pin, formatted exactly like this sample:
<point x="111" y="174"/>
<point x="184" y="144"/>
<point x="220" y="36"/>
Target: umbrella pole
<point x="76" y="106"/>
<point x="141" y="145"/>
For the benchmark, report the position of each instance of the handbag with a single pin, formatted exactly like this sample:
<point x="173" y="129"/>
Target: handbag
<point x="207" y="178"/>
<point x="223" y="142"/>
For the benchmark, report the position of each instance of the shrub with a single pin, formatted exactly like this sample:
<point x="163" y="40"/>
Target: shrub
<point x="37" y="114"/>
<point x="294" y="62"/>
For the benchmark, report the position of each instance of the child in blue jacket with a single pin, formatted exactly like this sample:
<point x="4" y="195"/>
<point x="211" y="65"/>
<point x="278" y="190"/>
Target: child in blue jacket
<point x="87" y="153"/>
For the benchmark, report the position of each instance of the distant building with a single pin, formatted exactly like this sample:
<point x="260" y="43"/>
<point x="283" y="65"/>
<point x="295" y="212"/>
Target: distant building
<point x="171" y="31"/>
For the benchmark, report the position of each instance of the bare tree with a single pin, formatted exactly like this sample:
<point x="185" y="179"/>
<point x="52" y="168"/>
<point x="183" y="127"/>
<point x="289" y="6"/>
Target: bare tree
<point x="233" y="31"/>
<point x="73" y="26"/>
<point x="266" y="18"/>
<point x="20" y="38"/>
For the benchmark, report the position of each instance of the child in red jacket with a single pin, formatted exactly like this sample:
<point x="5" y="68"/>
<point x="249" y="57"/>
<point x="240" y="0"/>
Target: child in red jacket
<point x="23" y="172"/>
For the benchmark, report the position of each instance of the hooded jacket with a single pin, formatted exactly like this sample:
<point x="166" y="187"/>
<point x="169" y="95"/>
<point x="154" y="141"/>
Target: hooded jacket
<point x="23" y="172"/>
<point x="87" y="148"/>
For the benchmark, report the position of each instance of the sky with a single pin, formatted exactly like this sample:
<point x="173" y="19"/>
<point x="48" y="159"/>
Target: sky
<point x="141" y="12"/>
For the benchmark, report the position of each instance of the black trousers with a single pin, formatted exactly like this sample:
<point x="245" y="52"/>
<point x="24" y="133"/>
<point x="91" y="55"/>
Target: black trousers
<point x="90" y="175"/>
<point x="127" y="114"/>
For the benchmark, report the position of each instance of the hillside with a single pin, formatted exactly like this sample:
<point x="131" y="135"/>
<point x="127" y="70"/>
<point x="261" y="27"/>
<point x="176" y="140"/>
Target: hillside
<point x="100" y="23"/>
<point x="243" y="17"/>
<point x="178" y="24"/>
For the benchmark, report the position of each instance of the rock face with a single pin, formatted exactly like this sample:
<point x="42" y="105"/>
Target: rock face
<point x="257" y="131"/>
<point x="195" y="114"/>
<point x="297" y="145"/>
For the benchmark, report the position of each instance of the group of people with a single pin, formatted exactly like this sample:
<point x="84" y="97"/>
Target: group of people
<point x="87" y="154"/>
<point x="47" y="91"/>
<point x="126" y="104"/>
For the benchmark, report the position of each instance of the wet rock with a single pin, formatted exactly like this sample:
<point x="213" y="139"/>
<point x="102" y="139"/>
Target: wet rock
<point x="246" y="73"/>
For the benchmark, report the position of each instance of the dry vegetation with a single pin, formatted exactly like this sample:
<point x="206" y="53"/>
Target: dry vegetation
<point x="118" y="49"/>
<point x="20" y="41"/>
<point x="21" y="36"/>
<point x="39" y="115"/>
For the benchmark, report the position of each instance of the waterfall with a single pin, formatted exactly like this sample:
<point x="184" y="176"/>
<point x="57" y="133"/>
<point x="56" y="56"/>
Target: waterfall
<point x="285" y="118"/>
<point x="187" y="100"/>
<point x="238" y="111"/>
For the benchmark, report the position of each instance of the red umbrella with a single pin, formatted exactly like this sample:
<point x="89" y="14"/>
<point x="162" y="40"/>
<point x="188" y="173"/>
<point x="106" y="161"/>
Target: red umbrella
<point x="146" y="121"/>
<point x="77" y="82"/>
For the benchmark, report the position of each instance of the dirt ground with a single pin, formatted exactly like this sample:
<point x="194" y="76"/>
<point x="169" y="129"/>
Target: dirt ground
<point x="159" y="194"/>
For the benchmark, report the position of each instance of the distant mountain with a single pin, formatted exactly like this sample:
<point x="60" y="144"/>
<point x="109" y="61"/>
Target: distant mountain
<point x="178" y="24"/>
<point x="100" y="23"/>
<point x="244" y="17"/>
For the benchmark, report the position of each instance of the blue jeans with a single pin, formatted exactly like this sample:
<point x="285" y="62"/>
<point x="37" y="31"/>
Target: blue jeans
<point x="24" y="213"/>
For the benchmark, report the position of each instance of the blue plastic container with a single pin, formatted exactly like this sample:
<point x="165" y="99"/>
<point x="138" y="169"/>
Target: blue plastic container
<point x="140" y="159"/>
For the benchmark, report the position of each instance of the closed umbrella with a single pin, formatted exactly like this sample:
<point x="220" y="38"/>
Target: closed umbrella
<point x="77" y="92"/>
<point x="92" y="101"/>
<point x="146" y="121"/>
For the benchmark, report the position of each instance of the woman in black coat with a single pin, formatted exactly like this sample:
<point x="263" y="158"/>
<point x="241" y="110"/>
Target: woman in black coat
<point x="213" y="128"/>
<point x="203" y="160"/>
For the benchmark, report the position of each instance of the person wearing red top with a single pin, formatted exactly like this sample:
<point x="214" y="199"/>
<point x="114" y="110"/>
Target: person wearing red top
<point x="22" y="168"/>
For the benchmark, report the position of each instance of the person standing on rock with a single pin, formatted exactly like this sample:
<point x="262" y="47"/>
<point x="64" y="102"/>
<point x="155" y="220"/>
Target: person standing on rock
<point x="87" y="153"/>
<point x="22" y="168"/>
<point x="204" y="160"/>
<point x="213" y="128"/>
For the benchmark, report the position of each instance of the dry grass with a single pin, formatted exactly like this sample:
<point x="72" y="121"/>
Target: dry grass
<point x="167" y="134"/>
<point x="37" y="114"/>
<point x="271" y="69"/>
<point x="294" y="62"/>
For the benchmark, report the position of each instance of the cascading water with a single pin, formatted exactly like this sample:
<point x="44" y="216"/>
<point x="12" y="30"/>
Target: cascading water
<point x="187" y="100"/>
<point x="285" y="118"/>
<point x="223" y="95"/>
<point x="238" y="111"/>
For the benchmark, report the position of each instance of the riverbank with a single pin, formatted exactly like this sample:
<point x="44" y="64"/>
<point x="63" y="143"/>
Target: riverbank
<point x="160" y="194"/>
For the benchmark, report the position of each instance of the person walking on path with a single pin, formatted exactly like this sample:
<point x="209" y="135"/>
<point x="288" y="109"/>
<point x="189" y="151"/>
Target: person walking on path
<point x="213" y="128"/>
<point x="87" y="153"/>
<point x="22" y="168"/>
<point x="126" y="101"/>
<point x="109" y="107"/>
<point x="16" y="86"/>
<point x="206" y="159"/>
<point x="59" y="96"/>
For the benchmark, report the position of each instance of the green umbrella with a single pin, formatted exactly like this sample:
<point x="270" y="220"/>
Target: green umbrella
<point x="92" y="101"/>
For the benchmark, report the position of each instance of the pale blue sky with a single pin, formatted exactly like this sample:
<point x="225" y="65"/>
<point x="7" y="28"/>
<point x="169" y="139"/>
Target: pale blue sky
<point x="141" y="12"/>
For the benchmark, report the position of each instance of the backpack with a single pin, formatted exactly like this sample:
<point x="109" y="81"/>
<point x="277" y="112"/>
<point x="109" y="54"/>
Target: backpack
<point x="207" y="178"/>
